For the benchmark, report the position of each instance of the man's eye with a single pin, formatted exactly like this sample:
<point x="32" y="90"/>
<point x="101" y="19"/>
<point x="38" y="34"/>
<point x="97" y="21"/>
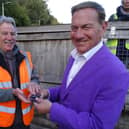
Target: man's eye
<point x="87" y="27"/>
<point x="74" y="28"/>
<point x="6" y="33"/>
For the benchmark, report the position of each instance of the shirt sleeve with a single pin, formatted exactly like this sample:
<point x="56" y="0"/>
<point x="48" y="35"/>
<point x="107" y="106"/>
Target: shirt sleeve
<point x="6" y="95"/>
<point x="35" y="76"/>
<point x="54" y="93"/>
<point x="103" y="114"/>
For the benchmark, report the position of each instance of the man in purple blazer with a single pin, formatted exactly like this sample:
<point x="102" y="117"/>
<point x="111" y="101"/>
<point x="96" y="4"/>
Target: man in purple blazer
<point x="95" y="81"/>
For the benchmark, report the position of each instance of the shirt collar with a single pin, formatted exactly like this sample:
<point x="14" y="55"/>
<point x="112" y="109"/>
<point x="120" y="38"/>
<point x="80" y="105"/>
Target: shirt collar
<point x="87" y="55"/>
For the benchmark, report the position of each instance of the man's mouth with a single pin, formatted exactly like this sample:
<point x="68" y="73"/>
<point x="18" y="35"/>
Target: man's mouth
<point x="8" y="42"/>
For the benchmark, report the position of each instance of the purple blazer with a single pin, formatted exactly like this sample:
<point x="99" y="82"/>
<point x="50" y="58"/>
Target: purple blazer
<point x="95" y="97"/>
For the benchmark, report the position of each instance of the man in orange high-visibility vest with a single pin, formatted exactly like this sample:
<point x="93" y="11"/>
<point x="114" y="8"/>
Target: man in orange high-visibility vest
<point x="16" y="72"/>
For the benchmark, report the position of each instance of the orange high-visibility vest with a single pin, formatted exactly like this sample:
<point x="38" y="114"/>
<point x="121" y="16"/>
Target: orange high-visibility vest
<point x="7" y="109"/>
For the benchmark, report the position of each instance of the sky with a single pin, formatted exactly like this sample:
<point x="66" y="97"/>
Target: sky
<point x="61" y="9"/>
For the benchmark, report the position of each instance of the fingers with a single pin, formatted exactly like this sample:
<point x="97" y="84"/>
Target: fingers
<point x="44" y="93"/>
<point x="36" y="93"/>
<point x="24" y="99"/>
<point x="34" y="88"/>
<point x="19" y="93"/>
<point x="43" y="105"/>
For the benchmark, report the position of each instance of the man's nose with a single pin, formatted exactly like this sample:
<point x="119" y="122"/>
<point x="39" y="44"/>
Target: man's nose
<point x="79" y="33"/>
<point x="9" y="36"/>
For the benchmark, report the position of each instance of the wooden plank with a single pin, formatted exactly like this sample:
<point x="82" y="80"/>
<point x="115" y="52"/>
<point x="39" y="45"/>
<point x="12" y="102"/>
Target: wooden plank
<point x="43" y="36"/>
<point x="119" y="25"/>
<point x="49" y="57"/>
<point x="66" y="27"/>
<point x="48" y="28"/>
<point x="66" y="35"/>
<point x="119" y="34"/>
<point x="54" y="32"/>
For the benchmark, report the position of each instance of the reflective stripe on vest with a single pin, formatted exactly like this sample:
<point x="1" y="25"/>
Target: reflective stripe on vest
<point x="26" y="110"/>
<point x="112" y="44"/>
<point x="7" y="109"/>
<point x="24" y="86"/>
<point x="5" y="85"/>
<point x="115" y="17"/>
<point x="28" y="66"/>
<point x="127" y="45"/>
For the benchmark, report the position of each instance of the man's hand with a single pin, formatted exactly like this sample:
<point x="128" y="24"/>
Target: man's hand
<point x="34" y="88"/>
<point x="35" y="93"/>
<point x="43" y="105"/>
<point x="19" y="93"/>
<point x="44" y="93"/>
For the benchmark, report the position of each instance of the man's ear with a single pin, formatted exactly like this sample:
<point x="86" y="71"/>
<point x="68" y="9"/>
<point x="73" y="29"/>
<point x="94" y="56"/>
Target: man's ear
<point x="105" y="25"/>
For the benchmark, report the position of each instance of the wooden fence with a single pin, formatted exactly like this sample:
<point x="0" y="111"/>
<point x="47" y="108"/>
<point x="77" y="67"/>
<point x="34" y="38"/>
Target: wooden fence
<point x="50" y="47"/>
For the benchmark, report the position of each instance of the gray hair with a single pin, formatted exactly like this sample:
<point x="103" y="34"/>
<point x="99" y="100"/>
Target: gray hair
<point x="90" y="4"/>
<point x="5" y="19"/>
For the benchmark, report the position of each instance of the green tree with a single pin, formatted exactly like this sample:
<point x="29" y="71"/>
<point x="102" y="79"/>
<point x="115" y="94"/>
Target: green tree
<point x="13" y="9"/>
<point x="29" y="12"/>
<point x="38" y="12"/>
<point x="52" y="20"/>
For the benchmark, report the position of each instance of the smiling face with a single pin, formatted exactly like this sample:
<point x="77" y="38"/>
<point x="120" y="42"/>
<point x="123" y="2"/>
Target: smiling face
<point x="86" y="31"/>
<point x="7" y="37"/>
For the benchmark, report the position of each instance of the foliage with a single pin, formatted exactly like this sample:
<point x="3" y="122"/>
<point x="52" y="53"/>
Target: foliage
<point x="28" y="12"/>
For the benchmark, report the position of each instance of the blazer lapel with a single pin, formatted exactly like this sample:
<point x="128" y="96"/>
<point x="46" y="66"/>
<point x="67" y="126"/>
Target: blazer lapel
<point x="88" y="69"/>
